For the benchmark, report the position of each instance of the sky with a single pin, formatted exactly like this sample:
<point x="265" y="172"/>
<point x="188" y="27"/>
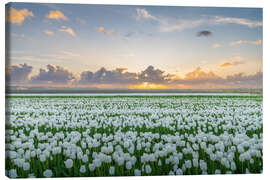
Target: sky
<point x="136" y="47"/>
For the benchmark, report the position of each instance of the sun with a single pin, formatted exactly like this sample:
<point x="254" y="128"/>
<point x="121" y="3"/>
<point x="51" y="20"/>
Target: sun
<point x="146" y="85"/>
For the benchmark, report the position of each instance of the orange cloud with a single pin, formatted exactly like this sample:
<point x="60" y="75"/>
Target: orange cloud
<point x="121" y="69"/>
<point x="198" y="74"/>
<point x="216" y="45"/>
<point x="58" y="15"/>
<point x="48" y="32"/>
<point x="107" y="32"/>
<point x="236" y="43"/>
<point x="259" y="42"/>
<point x="18" y="16"/>
<point x="67" y="30"/>
<point x="235" y="60"/>
<point x="100" y="29"/>
<point x="226" y="64"/>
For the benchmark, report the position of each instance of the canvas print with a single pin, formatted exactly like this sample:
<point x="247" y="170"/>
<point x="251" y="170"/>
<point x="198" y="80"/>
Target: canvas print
<point x="117" y="90"/>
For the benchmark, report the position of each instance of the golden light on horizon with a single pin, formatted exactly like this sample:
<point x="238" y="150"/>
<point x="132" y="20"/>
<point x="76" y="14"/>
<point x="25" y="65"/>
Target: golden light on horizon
<point x="146" y="85"/>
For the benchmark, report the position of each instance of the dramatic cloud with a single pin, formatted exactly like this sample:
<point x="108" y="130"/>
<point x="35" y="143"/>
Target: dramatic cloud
<point x="48" y="32"/>
<point x="144" y="14"/>
<point x="18" y="16"/>
<point x="241" y="80"/>
<point x="58" y="15"/>
<point x="107" y="32"/>
<point x="18" y="73"/>
<point x="199" y="78"/>
<point x="53" y="74"/>
<point x="120" y="77"/>
<point x="239" y="21"/>
<point x="216" y="45"/>
<point x="236" y="43"/>
<point x="67" y="30"/>
<point x="103" y="76"/>
<point x="152" y="75"/>
<point x="205" y="33"/>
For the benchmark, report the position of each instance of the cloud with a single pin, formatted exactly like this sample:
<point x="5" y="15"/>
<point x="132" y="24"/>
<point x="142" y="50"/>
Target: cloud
<point x="152" y="75"/>
<point x="234" y="61"/>
<point x="239" y="21"/>
<point x="48" y="32"/>
<point x="120" y="77"/>
<point x="198" y="75"/>
<point x="129" y="34"/>
<point x="18" y="16"/>
<point x="100" y="29"/>
<point x="67" y="30"/>
<point x="57" y="15"/>
<point x="201" y="79"/>
<point x="18" y="73"/>
<point x="103" y="76"/>
<point x="61" y="55"/>
<point x="24" y="58"/>
<point x="242" y="80"/>
<point x="216" y="45"/>
<point x="198" y="79"/>
<point x="168" y="24"/>
<point x="259" y="42"/>
<point x="144" y="14"/>
<point x="17" y="35"/>
<point x="205" y="33"/>
<point x="236" y="43"/>
<point x="107" y="32"/>
<point x="53" y="74"/>
<point x="226" y="64"/>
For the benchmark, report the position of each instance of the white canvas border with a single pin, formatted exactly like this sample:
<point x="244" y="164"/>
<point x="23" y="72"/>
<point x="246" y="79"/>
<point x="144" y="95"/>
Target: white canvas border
<point x="215" y="3"/>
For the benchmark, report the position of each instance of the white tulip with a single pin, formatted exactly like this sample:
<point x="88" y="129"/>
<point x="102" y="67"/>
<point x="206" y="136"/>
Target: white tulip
<point x="69" y="163"/>
<point x="26" y="166"/>
<point x="137" y="172"/>
<point x="112" y="170"/>
<point x="128" y="165"/>
<point x="47" y="173"/>
<point x="12" y="173"/>
<point x="92" y="167"/>
<point x="148" y="169"/>
<point x="82" y="169"/>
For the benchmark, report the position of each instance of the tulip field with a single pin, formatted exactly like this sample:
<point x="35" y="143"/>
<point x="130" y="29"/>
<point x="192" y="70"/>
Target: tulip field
<point x="84" y="136"/>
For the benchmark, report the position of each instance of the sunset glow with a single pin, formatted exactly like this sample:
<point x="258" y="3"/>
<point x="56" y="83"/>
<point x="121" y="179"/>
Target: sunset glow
<point x="147" y="85"/>
<point x="135" y="47"/>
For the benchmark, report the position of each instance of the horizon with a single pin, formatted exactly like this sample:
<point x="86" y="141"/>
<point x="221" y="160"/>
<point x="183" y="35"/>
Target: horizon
<point x="133" y="47"/>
